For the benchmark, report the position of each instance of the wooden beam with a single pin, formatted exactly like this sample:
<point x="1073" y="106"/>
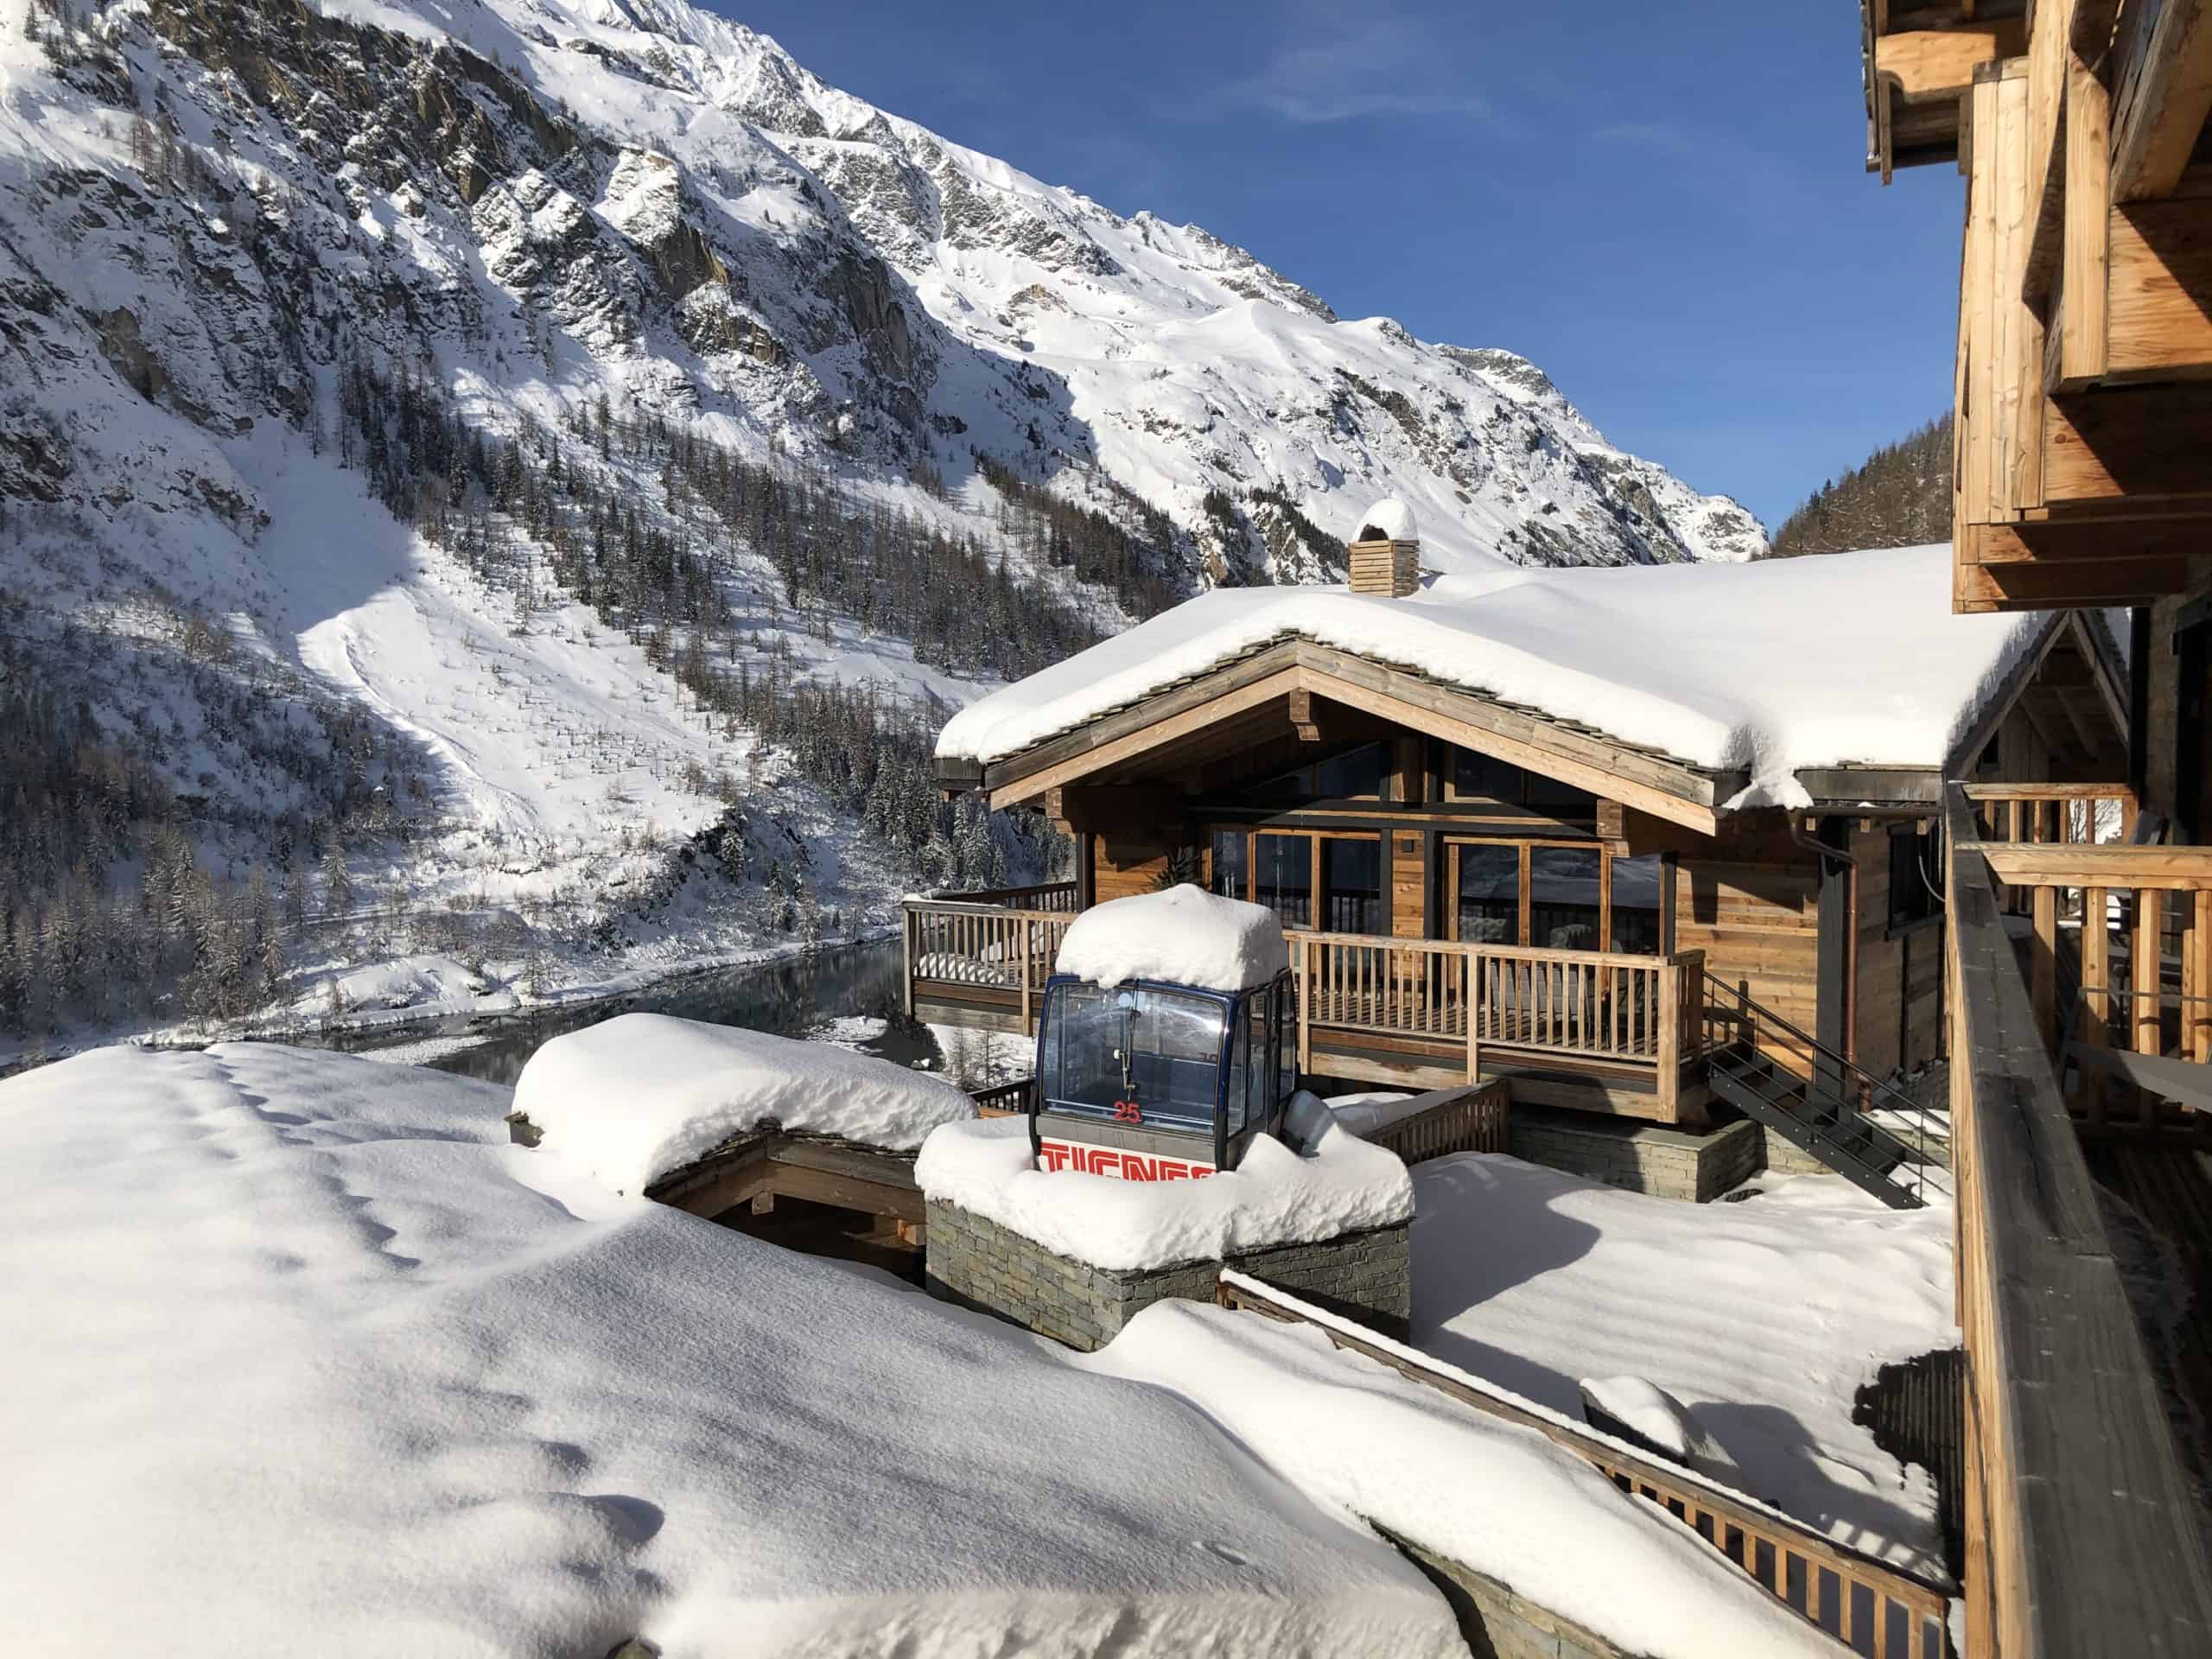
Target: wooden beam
<point x="2162" y="91"/>
<point x="2160" y="313"/>
<point x="2079" y="330"/>
<point x="2050" y="34"/>
<point x="2108" y="864"/>
<point x="2004" y="586"/>
<point x="1301" y="716"/>
<point x="2113" y="447"/>
<point x="1113" y="808"/>
<point x="2047" y="543"/>
<point x="1926" y="65"/>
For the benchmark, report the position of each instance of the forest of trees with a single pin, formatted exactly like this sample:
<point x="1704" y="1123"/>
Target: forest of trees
<point x="1900" y="496"/>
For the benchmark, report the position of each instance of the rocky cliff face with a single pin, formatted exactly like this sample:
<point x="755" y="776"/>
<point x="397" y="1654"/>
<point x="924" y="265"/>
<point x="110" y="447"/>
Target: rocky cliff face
<point x="550" y="200"/>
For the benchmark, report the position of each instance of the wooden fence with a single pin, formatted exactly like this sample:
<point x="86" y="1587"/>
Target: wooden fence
<point x="971" y="949"/>
<point x="1870" y="1606"/>
<point x="2081" y="1527"/>
<point x="1469" y="1119"/>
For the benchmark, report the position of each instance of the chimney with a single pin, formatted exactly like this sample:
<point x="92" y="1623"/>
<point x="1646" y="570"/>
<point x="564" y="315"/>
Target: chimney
<point x="1385" y="557"/>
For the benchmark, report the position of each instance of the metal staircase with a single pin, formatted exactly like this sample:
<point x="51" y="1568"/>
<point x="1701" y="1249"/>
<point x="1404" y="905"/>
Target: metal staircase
<point x="1824" y="1115"/>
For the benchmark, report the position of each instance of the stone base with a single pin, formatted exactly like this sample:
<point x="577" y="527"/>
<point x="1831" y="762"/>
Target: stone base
<point x="1499" y="1625"/>
<point x="1696" y="1167"/>
<point x="976" y="1263"/>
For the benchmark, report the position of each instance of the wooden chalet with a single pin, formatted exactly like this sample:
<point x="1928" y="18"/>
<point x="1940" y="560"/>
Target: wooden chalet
<point x="1481" y="889"/>
<point x="2080" y="964"/>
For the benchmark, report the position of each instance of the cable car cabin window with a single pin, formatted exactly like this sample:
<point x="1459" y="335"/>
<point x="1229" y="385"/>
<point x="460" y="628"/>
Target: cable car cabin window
<point x="1282" y="877"/>
<point x="1286" y="1047"/>
<point x="1225" y="877"/>
<point x="1639" y="898"/>
<point x="1240" y="1076"/>
<point x="1155" y="1052"/>
<point x="1490" y="894"/>
<point x="1352" y="882"/>
<point x="1911" y="853"/>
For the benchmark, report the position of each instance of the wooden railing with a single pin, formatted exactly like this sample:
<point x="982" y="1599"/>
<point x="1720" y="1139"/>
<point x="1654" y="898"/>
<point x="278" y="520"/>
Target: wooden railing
<point x="980" y="947"/>
<point x="1576" y="1004"/>
<point x="1870" y="1606"/>
<point x="2083" y="1532"/>
<point x="1472" y="1119"/>
<point x="1056" y="897"/>
<point x="2130" y="925"/>
<point x="1003" y="1099"/>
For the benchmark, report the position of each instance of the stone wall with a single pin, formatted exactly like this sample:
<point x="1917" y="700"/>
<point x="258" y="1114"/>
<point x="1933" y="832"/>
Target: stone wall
<point x="978" y="1264"/>
<point x="1499" y="1625"/>
<point x="1642" y="1157"/>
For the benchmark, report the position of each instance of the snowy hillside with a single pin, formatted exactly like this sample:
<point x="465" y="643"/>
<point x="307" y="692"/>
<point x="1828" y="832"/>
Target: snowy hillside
<point x="466" y="475"/>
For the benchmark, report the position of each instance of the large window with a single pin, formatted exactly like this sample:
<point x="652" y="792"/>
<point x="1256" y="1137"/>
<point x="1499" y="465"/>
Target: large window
<point x="1225" y="876"/>
<point x="1639" y="903"/>
<point x="1475" y="777"/>
<point x="1490" y="894"/>
<point x="1351" y="883"/>
<point x="1565" y="898"/>
<point x="1282" y="877"/>
<point x="1356" y="774"/>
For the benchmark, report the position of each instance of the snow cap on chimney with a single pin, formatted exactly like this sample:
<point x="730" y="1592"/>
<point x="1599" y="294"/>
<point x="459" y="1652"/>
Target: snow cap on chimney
<point x="1384" y="559"/>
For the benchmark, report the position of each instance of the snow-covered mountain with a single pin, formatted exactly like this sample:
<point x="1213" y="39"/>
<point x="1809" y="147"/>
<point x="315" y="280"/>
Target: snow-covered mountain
<point x="469" y="429"/>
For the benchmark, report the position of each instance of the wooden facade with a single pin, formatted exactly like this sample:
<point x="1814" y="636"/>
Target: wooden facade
<point x="2079" y="885"/>
<point x="1475" y="891"/>
<point x="2084" y="363"/>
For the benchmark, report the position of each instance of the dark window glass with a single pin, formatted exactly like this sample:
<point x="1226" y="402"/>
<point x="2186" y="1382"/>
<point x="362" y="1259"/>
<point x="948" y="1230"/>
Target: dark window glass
<point x="1639" y="886"/>
<point x="1286" y="1041"/>
<point x="1228" y="863"/>
<point x="1480" y="776"/>
<point x="1282" y="877"/>
<point x="1563" y="898"/>
<point x="1352" y="876"/>
<point x="1490" y="895"/>
<point x="1564" y="799"/>
<point x="1355" y="776"/>
<point x="1910" y="900"/>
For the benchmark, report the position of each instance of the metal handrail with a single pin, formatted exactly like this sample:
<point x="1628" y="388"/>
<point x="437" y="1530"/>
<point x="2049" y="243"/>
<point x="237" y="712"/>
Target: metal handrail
<point x="1869" y="1083"/>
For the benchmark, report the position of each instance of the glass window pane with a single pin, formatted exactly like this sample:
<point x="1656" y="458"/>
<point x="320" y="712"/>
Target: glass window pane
<point x="1282" y="877"/>
<point x="1352" y="880"/>
<point x="1481" y="777"/>
<point x="1563" y="898"/>
<point x="1562" y="799"/>
<point x="1156" y="1051"/>
<point x="1639" y="884"/>
<point x="1490" y="895"/>
<point x="1286" y="1044"/>
<point x="1240" y="1072"/>
<point x="1227" y="878"/>
<point x="1358" y="775"/>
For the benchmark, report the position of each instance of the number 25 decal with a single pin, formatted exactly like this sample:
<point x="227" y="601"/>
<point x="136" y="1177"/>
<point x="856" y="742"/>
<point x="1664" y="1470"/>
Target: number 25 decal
<point x="1127" y="1111"/>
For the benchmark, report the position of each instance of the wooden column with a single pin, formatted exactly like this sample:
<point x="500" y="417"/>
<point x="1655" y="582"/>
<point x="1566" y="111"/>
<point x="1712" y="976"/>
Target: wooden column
<point x="2042" y="964"/>
<point x="2096" y="994"/>
<point x="2150" y="911"/>
<point x="2198" y="1025"/>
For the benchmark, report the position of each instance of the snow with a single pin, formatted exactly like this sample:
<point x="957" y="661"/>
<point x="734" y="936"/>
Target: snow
<point x="1655" y="1416"/>
<point x="635" y="1097"/>
<point x="304" y="1358"/>
<point x="1767" y="667"/>
<point x="1762" y="1318"/>
<point x="1372" y="1110"/>
<point x="1391" y="520"/>
<point x="1185" y="936"/>
<point x="1496" y="1496"/>
<point x="1273" y="1196"/>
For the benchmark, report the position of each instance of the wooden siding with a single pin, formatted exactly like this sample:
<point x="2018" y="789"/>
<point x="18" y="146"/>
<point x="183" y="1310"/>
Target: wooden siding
<point x="1122" y="866"/>
<point x="1752" y="905"/>
<point x="1898" y="1011"/>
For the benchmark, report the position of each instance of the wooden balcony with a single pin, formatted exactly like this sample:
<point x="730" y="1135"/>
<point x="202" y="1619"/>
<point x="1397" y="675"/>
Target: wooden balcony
<point x="2084" y="1530"/>
<point x="1592" y="1029"/>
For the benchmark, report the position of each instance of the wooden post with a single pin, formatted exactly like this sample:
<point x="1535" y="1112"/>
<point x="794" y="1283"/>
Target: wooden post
<point x="1474" y="1029"/>
<point x="2042" y="964"/>
<point x="906" y="936"/>
<point x="2199" y="1045"/>
<point x="1670" y="1043"/>
<point x="1305" y="1004"/>
<point x="2096" y="994"/>
<point x="1022" y="925"/>
<point x="2148" y="972"/>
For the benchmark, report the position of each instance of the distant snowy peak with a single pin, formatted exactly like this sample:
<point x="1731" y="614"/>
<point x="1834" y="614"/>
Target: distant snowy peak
<point x="1121" y="357"/>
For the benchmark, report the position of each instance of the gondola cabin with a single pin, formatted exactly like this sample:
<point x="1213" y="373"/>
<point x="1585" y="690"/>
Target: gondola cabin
<point x="1167" y="1038"/>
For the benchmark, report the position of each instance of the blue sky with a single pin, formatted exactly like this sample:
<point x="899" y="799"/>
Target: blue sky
<point x="1664" y="205"/>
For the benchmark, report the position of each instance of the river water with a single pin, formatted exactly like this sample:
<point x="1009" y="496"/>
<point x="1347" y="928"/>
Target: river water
<point x="789" y="997"/>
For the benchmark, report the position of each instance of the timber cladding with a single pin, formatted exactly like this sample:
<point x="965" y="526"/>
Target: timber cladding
<point x="1757" y="918"/>
<point x="1125" y="865"/>
<point x="1897" y="1000"/>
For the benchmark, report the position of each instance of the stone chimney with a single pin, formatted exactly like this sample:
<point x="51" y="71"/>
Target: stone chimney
<point x="1385" y="557"/>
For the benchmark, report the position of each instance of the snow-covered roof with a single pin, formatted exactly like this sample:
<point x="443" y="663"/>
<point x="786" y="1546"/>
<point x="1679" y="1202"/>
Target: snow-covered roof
<point x="1275" y="1196"/>
<point x="637" y="1097"/>
<point x="1185" y="935"/>
<point x="1389" y="519"/>
<point x="1848" y="659"/>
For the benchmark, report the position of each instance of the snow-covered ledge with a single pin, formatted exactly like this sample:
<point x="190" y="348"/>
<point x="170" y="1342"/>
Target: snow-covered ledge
<point x="1073" y="1255"/>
